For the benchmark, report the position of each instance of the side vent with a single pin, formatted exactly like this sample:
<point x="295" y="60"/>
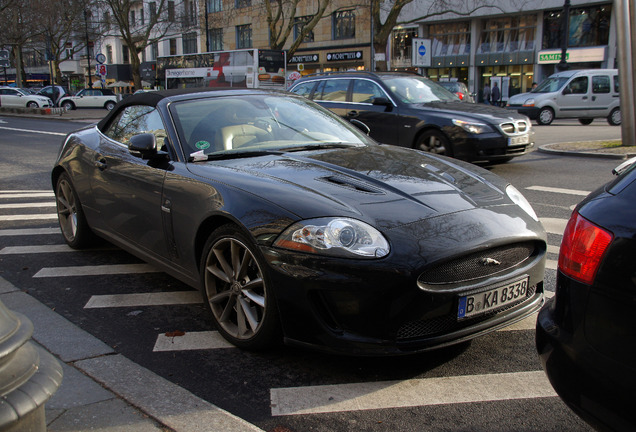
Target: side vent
<point x="351" y="184"/>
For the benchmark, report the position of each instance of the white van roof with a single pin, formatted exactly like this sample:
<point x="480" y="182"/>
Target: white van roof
<point x="573" y="72"/>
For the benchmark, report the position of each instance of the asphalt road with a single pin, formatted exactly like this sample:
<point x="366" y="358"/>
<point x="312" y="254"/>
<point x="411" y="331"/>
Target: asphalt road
<point x="494" y="383"/>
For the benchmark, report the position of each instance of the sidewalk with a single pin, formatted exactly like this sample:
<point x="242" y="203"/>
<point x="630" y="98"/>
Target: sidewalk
<point x="598" y="149"/>
<point x="104" y="391"/>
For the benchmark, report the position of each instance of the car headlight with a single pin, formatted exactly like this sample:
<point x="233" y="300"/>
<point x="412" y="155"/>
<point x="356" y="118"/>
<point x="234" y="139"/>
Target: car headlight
<point x="521" y="201"/>
<point x="335" y="236"/>
<point x="473" y="127"/>
<point x="529" y="102"/>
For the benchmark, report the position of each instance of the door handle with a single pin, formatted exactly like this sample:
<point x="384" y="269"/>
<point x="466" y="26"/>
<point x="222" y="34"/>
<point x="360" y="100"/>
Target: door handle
<point x="584" y="97"/>
<point x="101" y="164"/>
<point x="352" y="113"/>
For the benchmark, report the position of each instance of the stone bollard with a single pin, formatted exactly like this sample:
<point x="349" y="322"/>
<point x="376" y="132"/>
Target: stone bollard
<point x="29" y="375"/>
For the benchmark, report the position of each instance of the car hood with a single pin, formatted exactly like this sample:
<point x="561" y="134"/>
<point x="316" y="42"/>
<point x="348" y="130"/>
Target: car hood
<point x="521" y="98"/>
<point x="383" y="185"/>
<point x="483" y="112"/>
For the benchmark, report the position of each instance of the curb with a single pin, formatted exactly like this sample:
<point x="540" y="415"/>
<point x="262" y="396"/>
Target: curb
<point x="96" y="372"/>
<point x="546" y="148"/>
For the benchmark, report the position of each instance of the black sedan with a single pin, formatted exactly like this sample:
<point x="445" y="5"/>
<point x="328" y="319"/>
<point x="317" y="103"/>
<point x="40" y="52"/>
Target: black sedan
<point x="586" y="334"/>
<point x="412" y="111"/>
<point x="296" y="226"/>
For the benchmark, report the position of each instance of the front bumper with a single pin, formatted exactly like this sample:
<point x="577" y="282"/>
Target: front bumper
<point x="600" y="389"/>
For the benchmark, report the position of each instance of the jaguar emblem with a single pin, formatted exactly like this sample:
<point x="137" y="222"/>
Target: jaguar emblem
<point x="486" y="262"/>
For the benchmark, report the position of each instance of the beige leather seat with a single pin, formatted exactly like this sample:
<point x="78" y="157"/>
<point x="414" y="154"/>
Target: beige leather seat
<point x="240" y="135"/>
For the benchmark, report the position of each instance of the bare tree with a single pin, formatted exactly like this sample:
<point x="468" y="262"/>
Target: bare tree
<point x="158" y="21"/>
<point x="431" y="8"/>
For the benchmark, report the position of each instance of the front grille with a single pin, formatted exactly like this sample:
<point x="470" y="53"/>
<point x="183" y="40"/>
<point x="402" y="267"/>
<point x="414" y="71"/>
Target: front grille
<point x="449" y="323"/>
<point x="478" y="265"/>
<point x="514" y="127"/>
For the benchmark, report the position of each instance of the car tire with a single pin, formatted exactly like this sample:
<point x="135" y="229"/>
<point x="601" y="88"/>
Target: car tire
<point x="109" y="105"/>
<point x="237" y="290"/>
<point x="546" y="116"/>
<point x="70" y="215"/>
<point x="32" y="105"/>
<point x="586" y="121"/>
<point x="615" y="117"/>
<point x="434" y="141"/>
<point x="68" y="105"/>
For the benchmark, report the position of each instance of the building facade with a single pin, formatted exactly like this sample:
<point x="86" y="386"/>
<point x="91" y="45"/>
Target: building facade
<point x="515" y="48"/>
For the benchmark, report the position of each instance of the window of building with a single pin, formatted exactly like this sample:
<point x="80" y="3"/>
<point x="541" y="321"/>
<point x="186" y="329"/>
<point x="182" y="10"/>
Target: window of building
<point x="589" y="26"/>
<point x="344" y="25"/>
<point x="299" y="24"/>
<point x="242" y="3"/>
<point x="107" y="20"/>
<point x="109" y="54"/>
<point x="154" y="51"/>
<point x="401" y="47"/>
<point x="132" y="18"/>
<point x="171" y="12"/>
<point x="153" y="11"/>
<point x="450" y="38"/>
<point x="190" y="13"/>
<point x="173" y="46"/>
<point x="125" y="54"/>
<point x="141" y="17"/>
<point x="189" y="43"/>
<point x="215" y="5"/>
<point x="509" y="34"/>
<point x="244" y="36"/>
<point x="215" y="38"/>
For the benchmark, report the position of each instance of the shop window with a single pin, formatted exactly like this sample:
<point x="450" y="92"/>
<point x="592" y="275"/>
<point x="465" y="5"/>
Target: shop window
<point x="401" y="47"/>
<point x="450" y="38"/>
<point x="344" y="25"/>
<point x="588" y="26"/>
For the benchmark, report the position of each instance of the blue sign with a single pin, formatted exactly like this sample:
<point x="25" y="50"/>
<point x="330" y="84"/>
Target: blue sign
<point x="421" y="50"/>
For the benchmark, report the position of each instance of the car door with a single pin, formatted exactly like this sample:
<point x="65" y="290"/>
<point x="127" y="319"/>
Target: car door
<point x="84" y="99"/>
<point x="332" y="94"/>
<point x="127" y="189"/>
<point x="602" y="96"/>
<point x="574" y="99"/>
<point x="373" y="107"/>
<point x="10" y="98"/>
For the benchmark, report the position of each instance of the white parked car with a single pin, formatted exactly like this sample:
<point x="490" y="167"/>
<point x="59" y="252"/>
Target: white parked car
<point x="17" y="97"/>
<point x="90" y="98"/>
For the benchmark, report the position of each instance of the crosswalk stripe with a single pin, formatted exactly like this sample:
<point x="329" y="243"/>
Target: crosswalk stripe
<point x="27" y="195"/>
<point x="29" y="232"/>
<point x="28" y="205"/>
<point x="28" y="217"/>
<point x="191" y="341"/>
<point x="559" y="190"/>
<point x="144" y="299"/>
<point x="554" y="249"/>
<point x="24" y="191"/>
<point x="527" y="323"/>
<point x="18" y="250"/>
<point x="551" y="264"/>
<point x="95" y="270"/>
<point x="554" y="225"/>
<point x="409" y="393"/>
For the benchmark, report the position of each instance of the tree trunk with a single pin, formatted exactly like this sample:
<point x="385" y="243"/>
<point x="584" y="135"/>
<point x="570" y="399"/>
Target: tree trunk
<point x="380" y="48"/>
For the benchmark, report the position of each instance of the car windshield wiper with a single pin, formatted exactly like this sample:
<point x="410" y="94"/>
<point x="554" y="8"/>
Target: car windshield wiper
<point x="317" y="146"/>
<point x="195" y="157"/>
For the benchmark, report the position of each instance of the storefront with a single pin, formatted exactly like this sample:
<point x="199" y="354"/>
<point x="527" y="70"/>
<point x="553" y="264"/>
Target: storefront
<point x="329" y="60"/>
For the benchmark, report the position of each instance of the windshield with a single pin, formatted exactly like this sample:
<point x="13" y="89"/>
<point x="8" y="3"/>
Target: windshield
<point x="550" y="85"/>
<point x="24" y="92"/>
<point x="258" y="123"/>
<point x="417" y="89"/>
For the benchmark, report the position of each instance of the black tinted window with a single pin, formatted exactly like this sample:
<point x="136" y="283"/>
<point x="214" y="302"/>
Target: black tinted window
<point x="601" y="84"/>
<point x="578" y="85"/>
<point x="365" y="91"/>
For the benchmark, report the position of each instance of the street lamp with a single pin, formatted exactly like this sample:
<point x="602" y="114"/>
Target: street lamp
<point x="565" y="34"/>
<point x="88" y="51"/>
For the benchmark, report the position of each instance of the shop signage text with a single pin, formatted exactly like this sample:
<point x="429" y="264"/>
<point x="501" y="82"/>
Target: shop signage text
<point x="304" y="58"/>
<point x="573" y="55"/>
<point x="341" y="56"/>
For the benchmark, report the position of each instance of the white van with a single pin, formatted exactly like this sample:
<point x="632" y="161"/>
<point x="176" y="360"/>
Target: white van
<point x="583" y="94"/>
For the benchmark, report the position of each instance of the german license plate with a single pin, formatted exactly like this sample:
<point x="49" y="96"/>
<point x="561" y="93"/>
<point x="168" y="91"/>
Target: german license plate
<point x="495" y="298"/>
<point x="519" y="140"/>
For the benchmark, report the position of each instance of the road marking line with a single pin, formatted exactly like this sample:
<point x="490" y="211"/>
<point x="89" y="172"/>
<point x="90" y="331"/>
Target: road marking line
<point x="27" y="205"/>
<point x="96" y="270"/>
<point x="559" y="190"/>
<point x="16" y="250"/>
<point x="28" y="217"/>
<point x="144" y="299"/>
<point x="554" y="249"/>
<point x="551" y="264"/>
<point x="34" y="194"/>
<point x="29" y="231"/>
<point x="554" y="225"/>
<point x="203" y="340"/>
<point x="33" y="131"/>
<point x="409" y="393"/>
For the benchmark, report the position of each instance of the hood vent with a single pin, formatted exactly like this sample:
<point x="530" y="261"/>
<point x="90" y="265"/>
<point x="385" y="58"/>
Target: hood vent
<point x="351" y="184"/>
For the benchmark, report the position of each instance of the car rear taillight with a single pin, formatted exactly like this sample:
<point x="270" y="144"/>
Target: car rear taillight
<point x="460" y="95"/>
<point x="582" y="248"/>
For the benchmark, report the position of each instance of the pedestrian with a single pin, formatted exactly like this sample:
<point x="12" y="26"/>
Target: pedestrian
<point x="495" y="94"/>
<point x="534" y="86"/>
<point x="486" y="93"/>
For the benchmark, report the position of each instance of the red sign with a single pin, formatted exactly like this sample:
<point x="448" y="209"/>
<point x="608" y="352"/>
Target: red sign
<point x="101" y="69"/>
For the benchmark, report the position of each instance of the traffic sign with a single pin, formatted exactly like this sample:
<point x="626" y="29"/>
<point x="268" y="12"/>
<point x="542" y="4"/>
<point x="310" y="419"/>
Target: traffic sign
<point x="4" y="54"/>
<point x="101" y="69"/>
<point x="421" y="49"/>
<point x="100" y="58"/>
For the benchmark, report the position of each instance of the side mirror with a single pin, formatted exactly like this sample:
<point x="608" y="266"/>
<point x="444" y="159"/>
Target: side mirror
<point x="382" y="101"/>
<point x="144" y="144"/>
